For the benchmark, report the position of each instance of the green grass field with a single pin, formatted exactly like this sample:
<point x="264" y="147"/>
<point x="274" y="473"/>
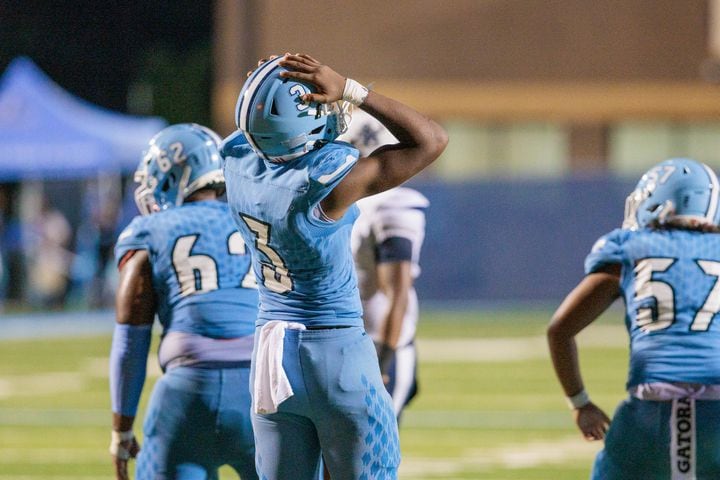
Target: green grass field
<point x="489" y="405"/>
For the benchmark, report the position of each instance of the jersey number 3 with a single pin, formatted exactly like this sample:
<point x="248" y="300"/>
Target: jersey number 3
<point x="662" y="314"/>
<point x="197" y="273"/>
<point x="275" y="277"/>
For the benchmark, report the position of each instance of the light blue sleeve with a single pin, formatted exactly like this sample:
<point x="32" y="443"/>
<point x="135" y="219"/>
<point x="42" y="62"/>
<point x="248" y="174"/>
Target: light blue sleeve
<point x="330" y="166"/>
<point x="332" y="163"/>
<point x="234" y="145"/>
<point x="136" y="236"/>
<point x="608" y="250"/>
<point x="128" y="360"/>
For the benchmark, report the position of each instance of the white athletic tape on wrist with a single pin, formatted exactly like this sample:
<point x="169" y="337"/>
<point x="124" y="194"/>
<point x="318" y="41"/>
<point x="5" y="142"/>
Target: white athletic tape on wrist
<point x="578" y="400"/>
<point x="116" y="439"/>
<point x="354" y="92"/>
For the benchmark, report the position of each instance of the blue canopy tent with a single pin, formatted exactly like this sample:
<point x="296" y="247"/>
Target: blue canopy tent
<point x="46" y="133"/>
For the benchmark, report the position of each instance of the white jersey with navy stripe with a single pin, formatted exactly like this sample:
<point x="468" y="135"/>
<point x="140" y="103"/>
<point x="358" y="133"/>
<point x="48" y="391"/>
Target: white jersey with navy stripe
<point x="397" y="214"/>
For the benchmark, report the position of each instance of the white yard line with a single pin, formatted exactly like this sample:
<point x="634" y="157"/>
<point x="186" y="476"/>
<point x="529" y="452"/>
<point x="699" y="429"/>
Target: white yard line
<point x="48" y="383"/>
<point x="53" y="455"/>
<point x="79" y="476"/>
<point x="513" y="456"/>
<point x="480" y="350"/>
<point x="41" y="384"/>
<point x="451" y="350"/>
<point x="486" y="419"/>
<point x="32" y="326"/>
<point x="511" y="349"/>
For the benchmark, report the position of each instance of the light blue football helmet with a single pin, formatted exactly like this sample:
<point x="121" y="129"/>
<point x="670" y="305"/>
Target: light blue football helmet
<point x="678" y="189"/>
<point x="277" y="124"/>
<point x="179" y="161"/>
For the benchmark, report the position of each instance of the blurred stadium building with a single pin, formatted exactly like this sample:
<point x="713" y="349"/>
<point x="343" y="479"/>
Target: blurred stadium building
<point x="553" y="107"/>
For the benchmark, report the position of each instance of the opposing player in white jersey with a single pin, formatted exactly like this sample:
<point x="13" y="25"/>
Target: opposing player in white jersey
<point x="665" y="264"/>
<point x="386" y="242"/>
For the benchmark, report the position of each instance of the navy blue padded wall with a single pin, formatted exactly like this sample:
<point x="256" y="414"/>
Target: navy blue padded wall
<point x="514" y="240"/>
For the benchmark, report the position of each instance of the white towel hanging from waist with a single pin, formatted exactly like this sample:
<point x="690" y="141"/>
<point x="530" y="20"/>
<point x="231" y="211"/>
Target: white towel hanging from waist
<point x="271" y="386"/>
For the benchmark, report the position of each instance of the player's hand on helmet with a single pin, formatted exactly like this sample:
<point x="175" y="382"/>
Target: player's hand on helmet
<point x="592" y="421"/>
<point x="123" y="449"/>
<point x="329" y="83"/>
<point x="260" y="62"/>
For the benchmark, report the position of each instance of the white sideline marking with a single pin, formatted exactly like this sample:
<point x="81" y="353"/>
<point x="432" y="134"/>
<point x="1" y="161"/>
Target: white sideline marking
<point x="511" y="349"/>
<point x="481" y="350"/>
<point x="514" y="456"/>
<point x="488" y="419"/>
<point x="51" y="477"/>
<point x="451" y="350"/>
<point x="56" y="325"/>
<point x="41" y="384"/>
<point x="48" y="383"/>
<point x="53" y="455"/>
<point x="52" y="417"/>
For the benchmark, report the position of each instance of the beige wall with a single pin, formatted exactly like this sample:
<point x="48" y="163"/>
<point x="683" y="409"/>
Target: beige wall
<point x="493" y="39"/>
<point x="415" y="43"/>
<point x="577" y="65"/>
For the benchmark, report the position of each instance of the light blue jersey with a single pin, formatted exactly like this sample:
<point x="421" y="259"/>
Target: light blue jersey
<point x="200" y="269"/>
<point x="198" y="418"/>
<point x="306" y="274"/>
<point x="304" y="263"/>
<point x="671" y="286"/>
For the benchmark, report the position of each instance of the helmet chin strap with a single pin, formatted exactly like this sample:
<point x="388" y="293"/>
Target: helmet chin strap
<point x="665" y="211"/>
<point x="632" y="202"/>
<point x="344" y="118"/>
<point x="145" y="193"/>
<point x="214" y="177"/>
<point x="182" y="185"/>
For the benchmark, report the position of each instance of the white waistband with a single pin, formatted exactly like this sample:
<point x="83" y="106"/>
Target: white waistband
<point x="187" y="349"/>
<point x="666" y="391"/>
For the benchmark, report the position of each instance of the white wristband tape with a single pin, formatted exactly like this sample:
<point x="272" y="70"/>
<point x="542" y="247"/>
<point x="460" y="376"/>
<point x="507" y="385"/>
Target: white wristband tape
<point x="354" y="92"/>
<point x="116" y="439"/>
<point x="578" y="400"/>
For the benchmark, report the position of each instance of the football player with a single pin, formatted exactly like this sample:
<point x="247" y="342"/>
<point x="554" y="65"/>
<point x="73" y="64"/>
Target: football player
<point x="665" y="264"/>
<point x="184" y="260"/>
<point x="386" y="242"/>
<point x="292" y="190"/>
